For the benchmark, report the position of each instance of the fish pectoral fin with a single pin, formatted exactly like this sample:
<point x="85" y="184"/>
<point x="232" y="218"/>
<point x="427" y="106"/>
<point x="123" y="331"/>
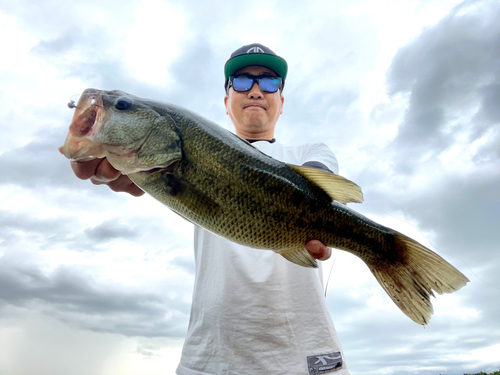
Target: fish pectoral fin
<point x="301" y="256"/>
<point x="196" y="200"/>
<point x="337" y="187"/>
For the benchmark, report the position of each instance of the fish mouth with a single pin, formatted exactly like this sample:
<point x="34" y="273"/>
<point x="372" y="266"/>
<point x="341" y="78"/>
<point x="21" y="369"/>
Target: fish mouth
<point x="91" y="136"/>
<point x="86" y="123"/>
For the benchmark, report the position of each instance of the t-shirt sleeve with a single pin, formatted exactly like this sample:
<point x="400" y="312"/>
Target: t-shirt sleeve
<point x="319" y="152"/>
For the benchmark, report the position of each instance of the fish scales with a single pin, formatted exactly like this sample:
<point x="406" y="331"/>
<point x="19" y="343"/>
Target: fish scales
<point x="256" y="196"/>
<point x="248" y="195"/>
<point x="222" y="183"/>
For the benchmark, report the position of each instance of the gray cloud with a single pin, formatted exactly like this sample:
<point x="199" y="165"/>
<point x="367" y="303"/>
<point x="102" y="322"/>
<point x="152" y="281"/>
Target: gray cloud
<point x="110" y="229"/>
<point x="9" y="221"/>
<point x="46" y="233"/>
<point x="450" y="76"/>
<point x="196" y="86"/>
<point x="37" y="163"/>
<point x="312" y="110"/>
<point x="60" y="45"/>
<point x="461" y="212"/>
<point x="71" y="296"/>
<point x="450" y="73"/>
<point x="148" y="351"/>
<point x="403" y="346"/>
<point x="449" y="70"/>
<point x="454" y="213"/>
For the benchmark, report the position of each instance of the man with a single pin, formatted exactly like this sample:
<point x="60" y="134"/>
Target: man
<point x="253" y="312"/>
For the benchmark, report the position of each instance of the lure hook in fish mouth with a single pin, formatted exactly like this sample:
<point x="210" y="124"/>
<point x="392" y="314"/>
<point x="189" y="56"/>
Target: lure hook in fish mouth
<point x="76" y="98"/>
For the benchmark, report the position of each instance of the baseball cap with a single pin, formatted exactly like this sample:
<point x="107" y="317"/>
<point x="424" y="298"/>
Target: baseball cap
<point x="255" y="54"/>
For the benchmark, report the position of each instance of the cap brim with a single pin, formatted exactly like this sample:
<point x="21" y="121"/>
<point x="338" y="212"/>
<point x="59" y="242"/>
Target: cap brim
<point x="273" y="62"/>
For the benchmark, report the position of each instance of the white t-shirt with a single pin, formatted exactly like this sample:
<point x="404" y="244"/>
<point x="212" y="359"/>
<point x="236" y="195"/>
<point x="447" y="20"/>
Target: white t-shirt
<point x="254" y="312"/>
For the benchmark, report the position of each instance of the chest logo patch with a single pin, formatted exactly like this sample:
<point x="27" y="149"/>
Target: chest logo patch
<point x="324" y="363"/>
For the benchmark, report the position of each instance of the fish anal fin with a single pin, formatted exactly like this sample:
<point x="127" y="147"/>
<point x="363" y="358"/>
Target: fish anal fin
<point x="301" y="256"/>
<point x="337" y="187"/>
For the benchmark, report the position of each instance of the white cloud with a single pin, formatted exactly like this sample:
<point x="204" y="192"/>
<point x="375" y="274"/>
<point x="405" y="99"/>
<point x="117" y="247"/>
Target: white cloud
<point x="152" y="41"/>
<point x="54" y="347"/>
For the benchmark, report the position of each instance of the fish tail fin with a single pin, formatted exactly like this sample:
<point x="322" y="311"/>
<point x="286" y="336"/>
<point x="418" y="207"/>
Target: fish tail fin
<point x="410" y="281"/>
<point x="301" y="256"/>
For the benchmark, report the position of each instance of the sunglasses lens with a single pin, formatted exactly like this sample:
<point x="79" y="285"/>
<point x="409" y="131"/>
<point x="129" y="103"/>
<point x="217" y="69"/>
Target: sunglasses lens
<point x="269" y="84"/>
<point x="242" y="83"/>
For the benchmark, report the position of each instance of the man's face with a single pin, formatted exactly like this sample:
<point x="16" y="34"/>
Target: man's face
<point x="254" y="113"/>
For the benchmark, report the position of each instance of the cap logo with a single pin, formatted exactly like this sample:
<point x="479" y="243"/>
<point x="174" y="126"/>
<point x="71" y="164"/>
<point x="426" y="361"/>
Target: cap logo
<point x="255" y="50"/>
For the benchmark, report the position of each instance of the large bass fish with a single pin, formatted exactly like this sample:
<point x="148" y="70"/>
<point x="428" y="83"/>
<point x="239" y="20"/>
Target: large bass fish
<point x="222" y="183"/>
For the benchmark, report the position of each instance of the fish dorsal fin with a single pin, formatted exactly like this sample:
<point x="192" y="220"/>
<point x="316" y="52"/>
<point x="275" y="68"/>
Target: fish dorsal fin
<point x="337" y="187"/>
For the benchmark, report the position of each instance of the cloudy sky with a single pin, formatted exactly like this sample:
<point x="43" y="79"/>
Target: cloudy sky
<point x="405" y="92"/>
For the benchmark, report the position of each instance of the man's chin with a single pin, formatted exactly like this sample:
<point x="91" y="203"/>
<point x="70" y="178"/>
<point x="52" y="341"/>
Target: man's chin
<point x="252" y="129"/>
<point x="255" y="125"/>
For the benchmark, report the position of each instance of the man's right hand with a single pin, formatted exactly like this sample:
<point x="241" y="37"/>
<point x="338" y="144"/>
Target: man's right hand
<point x="100" y="172"/>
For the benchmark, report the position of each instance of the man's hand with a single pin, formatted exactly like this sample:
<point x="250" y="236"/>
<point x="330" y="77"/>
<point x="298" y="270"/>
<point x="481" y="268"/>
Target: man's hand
<point x="319" y="250"/>
<point x="101" y="172"/>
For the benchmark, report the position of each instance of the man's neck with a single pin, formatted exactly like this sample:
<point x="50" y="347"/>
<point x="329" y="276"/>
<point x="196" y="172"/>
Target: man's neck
<point x="265" y="140"/>
<point x="258" y="135"/>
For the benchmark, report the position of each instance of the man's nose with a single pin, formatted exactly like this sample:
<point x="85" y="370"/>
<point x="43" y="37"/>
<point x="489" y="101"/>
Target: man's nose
<point x="255" y="92"/>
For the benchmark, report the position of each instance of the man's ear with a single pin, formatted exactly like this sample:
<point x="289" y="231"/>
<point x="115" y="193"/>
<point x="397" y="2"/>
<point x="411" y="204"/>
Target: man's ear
<point x="225" y="103"/>
<point x="282" y="103"/>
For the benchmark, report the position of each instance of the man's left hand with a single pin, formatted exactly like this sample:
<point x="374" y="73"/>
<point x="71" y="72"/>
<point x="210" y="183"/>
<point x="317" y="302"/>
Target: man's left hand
<point x="319" y="250"/>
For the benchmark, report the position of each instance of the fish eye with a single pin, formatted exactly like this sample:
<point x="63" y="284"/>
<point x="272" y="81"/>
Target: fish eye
<point x="123" y="103"/>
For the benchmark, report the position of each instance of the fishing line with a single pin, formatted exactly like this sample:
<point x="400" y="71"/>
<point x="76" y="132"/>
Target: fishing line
<point x="329" y="274"/>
